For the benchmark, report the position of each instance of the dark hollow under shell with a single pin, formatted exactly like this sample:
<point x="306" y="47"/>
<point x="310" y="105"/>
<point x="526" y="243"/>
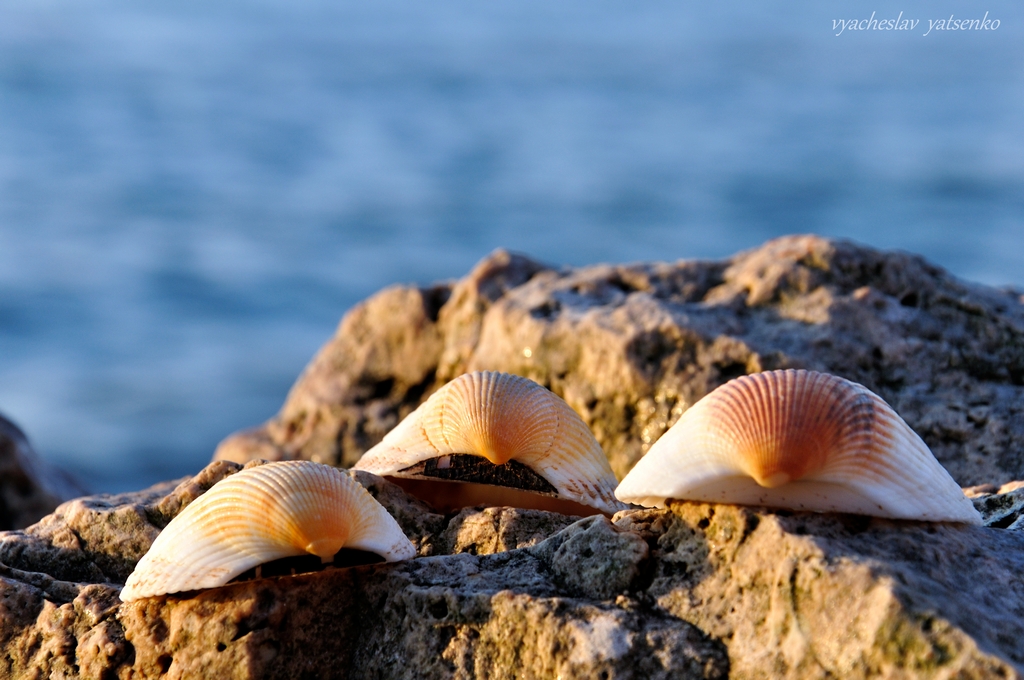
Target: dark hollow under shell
<point x="303" y="564"/>
<point x="455" y="481"/>
<point x="460" y="467"/>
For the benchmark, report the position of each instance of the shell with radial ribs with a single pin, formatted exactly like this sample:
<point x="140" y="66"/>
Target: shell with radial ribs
<point x="801" y="440"/>
<point x="507" y="420"/>
<point x="262" y="514"/>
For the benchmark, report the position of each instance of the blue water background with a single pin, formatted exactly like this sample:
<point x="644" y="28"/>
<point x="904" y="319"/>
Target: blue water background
<point x="193" y="193"/>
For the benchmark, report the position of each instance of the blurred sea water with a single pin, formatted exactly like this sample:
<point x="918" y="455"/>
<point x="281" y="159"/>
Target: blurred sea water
<point x="193" y="193"/>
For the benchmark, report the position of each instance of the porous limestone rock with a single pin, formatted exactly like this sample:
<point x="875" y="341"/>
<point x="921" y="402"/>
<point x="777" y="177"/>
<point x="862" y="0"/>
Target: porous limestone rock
<point x="516" y="613"/>
<point x="630" y="347"/>
<point x="694" y="591"/>
<point x="492" y="530"/>
<point x="1001" y="507"/>
<point x="29" y="488"/>
<point x="592" y="559"/>
<point x="98" y="539"/>
<point x="804" y="595"/>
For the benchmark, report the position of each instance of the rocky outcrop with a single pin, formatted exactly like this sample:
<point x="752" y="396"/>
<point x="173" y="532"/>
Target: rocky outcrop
<point x="695" y="591"/>
<point x="29" y="488"/>
<point x="99" y="539"/>
<point x="496" y="592"/>
<point x="630" y="347"/>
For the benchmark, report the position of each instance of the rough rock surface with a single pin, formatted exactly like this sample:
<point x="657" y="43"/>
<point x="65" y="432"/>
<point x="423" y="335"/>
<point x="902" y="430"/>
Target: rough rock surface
<point x="98" y="539"/>
<point x="557" y="608"/>
<point x="1000" y="507"/>
<point x="801" y="595"/>
<point x="29" y="488"/>
<point x="631" y="347"/>
<point x="695" y="591"/>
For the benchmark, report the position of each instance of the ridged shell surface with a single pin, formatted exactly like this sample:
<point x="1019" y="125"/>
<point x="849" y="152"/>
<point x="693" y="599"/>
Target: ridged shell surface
<point x="262" y="514"/>
<point x="502" y="417"/>
<point x="801" y="440"/>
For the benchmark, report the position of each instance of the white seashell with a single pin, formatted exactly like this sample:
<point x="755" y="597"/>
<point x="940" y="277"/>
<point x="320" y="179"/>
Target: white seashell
<point x="518" y="426"/>
<point x="801" y="440"/>
<point x="262" y="514"/>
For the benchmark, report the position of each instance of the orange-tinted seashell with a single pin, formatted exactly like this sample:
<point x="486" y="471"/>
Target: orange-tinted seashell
<point x="530" y="439"/>
<point x="802" y="440"/>
<point x="263" y="514"/>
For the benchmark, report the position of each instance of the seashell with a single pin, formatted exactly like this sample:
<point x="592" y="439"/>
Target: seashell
<point x="801" y="440"/>
<point x="498" y="439"/>
<point x="262" y="514"/>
